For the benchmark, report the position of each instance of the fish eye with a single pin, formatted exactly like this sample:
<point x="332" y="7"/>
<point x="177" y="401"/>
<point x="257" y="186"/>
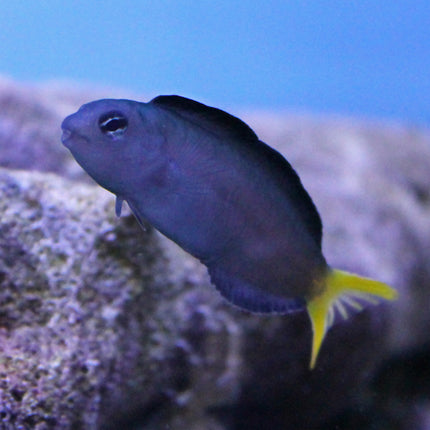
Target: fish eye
<point x="113" y="123"/>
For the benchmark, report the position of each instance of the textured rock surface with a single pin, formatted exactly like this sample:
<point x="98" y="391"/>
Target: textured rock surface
<point x="99" y="319"/>
<point x="105" y="326"/>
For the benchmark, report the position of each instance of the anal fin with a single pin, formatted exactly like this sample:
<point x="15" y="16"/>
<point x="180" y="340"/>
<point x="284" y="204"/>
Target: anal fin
<point x="251" y="298"/>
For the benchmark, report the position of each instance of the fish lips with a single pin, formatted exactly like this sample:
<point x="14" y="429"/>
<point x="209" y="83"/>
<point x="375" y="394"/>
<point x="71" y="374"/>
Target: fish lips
<point x="66" y="136"/>
<point x="69" y="135"/>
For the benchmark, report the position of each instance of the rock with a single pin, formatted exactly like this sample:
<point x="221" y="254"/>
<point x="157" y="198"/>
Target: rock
<point x="124" y="329"/>
<point x="99" y="320"/>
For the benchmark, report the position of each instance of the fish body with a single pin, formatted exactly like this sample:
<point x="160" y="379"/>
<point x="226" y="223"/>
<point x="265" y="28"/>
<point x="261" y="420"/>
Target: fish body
<point x="204" y="179"/>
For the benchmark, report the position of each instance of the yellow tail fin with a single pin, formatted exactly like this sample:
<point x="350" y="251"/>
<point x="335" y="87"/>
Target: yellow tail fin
<point x="344" y="293"/>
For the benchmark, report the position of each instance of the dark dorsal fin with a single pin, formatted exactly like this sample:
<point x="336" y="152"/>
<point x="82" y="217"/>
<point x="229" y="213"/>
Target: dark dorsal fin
<point x="216" y="120"/>
<point x="292" y="186"/>
<point x="224" y="124"/>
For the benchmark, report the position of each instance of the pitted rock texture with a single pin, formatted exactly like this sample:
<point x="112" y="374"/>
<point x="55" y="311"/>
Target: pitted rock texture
<point x="97" y="316"/>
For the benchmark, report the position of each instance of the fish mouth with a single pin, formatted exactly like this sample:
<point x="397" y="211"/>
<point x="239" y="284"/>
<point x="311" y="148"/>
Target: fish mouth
<point x="70" y="138"/>
<point x="65" y="137"/>
<point x="70" y="135"/>
<point x="67" y="132"/>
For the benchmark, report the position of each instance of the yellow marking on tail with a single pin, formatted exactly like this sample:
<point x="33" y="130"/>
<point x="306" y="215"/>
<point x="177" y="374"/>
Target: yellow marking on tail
<point x="345" y="293"/>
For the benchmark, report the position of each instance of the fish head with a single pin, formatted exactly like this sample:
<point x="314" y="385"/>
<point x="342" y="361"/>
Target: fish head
<point x="117" y="142"/>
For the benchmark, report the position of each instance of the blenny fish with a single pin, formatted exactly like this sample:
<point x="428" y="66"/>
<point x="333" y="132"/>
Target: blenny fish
<point x="204" y="179"/>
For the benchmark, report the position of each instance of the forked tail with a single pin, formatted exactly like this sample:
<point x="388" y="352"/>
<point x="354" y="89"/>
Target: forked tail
<point x="344" y="293"/>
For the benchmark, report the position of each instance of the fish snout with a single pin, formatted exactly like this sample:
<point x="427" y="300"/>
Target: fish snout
<point x="69" y="131"/>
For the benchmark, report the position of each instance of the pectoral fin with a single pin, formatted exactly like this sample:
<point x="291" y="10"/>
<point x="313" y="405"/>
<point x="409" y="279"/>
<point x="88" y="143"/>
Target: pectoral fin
<point x="118" y="206"/>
